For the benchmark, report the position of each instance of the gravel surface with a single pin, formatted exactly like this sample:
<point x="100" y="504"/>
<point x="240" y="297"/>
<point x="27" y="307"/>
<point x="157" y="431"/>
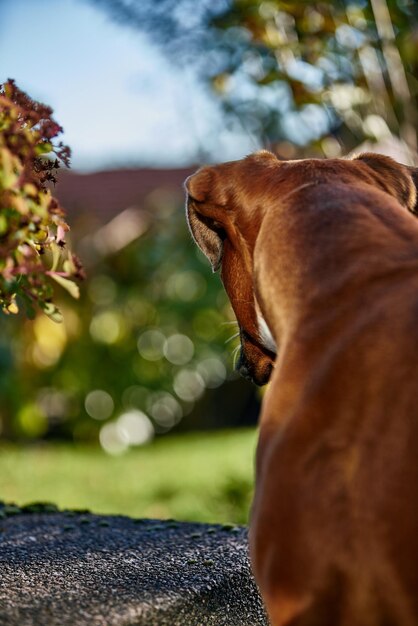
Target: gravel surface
<point x="78" y="569"/>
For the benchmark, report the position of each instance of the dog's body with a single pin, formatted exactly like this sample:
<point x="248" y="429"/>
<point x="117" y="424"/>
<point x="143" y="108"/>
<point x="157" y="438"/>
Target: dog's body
<point x="321" y="259"/>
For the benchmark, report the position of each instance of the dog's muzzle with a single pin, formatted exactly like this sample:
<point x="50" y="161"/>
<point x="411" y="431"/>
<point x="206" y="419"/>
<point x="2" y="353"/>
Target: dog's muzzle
<point x="244" y="370"/>
<point x="255" y="373"/>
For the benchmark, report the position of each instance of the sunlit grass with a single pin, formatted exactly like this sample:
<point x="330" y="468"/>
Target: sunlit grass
<point x="200" y="476"/>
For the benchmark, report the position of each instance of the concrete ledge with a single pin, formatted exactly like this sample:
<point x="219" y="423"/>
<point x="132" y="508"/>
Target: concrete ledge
<point x="78" y="569"/>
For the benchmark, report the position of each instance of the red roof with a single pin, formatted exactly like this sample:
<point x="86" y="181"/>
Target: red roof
<point x="106" y="193"/>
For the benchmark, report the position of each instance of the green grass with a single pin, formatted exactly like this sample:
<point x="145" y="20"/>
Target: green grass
<point x="201" y="477"/>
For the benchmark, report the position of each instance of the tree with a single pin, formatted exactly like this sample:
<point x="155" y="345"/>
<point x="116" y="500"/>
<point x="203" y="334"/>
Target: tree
<point x="326" y="75"/>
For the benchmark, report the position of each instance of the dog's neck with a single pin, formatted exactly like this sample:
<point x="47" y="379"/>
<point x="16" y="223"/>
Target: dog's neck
<point x="331" y="256"/>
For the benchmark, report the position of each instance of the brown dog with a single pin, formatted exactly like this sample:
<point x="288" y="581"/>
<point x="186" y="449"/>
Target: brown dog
<point x="320" y="258"/>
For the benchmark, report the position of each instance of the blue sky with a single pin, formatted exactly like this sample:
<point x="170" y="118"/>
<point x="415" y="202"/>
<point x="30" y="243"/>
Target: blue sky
<point x="118" y="98"/>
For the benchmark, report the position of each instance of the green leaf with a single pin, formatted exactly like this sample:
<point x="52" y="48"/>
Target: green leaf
<point x="3" y="224"/>
<point x="69" y="285"/>
<point x="56" y="253"/>
<point x="13" y="308"/>
<point x="68" y="266"/>
<point x="29" y="308"/>
<point x="43" y="148"/>
<point x="52" y="311"/>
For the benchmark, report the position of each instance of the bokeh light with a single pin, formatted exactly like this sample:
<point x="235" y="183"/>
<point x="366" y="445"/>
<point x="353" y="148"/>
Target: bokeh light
<point x="135" y="427"/>
<point x="99" y="404"/>
<point x="186" y="286"/>
<point x="54" y="403"/>
<point x="178" y="349"/>
<point x="134" y="396"/>
<point x="102" y="290"/>
<point x="50" y="342"/>
<point x="212" y="371"/>
<point x="151" y="345"/>
<point x="188" y="385"/>
<point x="32" y="420"/>
<point x="106" y="327"/>
<point x="165" y="410"/>
<point x="113" y="439"/>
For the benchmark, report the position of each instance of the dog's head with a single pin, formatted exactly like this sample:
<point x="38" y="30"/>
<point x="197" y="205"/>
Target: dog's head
<point x="225" y="208"/>
<point x="224" y="224"/>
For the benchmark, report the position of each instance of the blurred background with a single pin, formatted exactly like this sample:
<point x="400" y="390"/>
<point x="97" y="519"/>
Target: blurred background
<point x="111" y="399"/>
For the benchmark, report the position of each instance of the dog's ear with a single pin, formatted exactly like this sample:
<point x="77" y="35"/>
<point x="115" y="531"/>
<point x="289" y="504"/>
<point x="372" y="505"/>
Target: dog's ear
<point x="394" y="178"/>
<point x="207" y="234"/>
<point x="198" y="185"/>
<point x="204" y="214"/>
<point x="413" y="171"/>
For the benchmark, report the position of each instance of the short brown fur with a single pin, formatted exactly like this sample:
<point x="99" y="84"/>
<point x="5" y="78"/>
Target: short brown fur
<point x="328" y="251"/>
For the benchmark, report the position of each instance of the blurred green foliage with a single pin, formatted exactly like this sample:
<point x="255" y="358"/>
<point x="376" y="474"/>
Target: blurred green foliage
<point x="139" y="349"/>
<point x="144" y="347"/>
<point x="203" y="477"/>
